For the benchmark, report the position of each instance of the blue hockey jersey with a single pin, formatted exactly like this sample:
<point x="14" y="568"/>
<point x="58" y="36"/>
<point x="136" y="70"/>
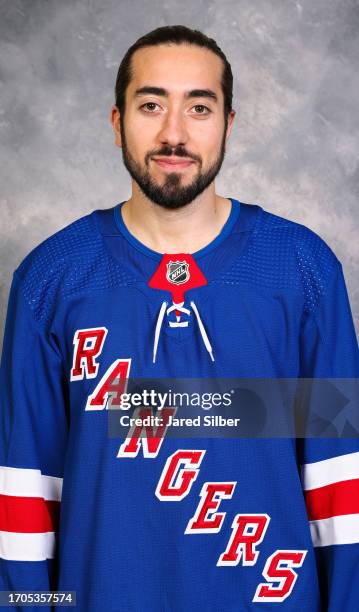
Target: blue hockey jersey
<point x="165" y="524"/>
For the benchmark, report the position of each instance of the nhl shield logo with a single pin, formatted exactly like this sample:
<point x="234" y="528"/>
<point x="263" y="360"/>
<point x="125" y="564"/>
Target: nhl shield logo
<point x="177" y="272"/>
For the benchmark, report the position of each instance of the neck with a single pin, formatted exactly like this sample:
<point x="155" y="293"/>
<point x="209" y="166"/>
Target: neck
<point x="185" y="230"/>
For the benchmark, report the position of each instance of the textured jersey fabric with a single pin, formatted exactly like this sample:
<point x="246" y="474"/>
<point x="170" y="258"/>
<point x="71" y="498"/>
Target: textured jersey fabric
<point x="78" y="514"/>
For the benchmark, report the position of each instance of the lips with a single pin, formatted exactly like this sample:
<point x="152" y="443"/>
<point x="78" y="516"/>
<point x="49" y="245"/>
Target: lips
<point x="173" y="164"/>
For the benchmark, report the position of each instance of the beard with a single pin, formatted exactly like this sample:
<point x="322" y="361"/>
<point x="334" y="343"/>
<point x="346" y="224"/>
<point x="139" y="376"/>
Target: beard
<point x="171" y="194"/>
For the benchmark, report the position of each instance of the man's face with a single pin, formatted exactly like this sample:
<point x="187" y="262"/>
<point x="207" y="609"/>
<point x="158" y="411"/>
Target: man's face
<point x="173" y="120"/>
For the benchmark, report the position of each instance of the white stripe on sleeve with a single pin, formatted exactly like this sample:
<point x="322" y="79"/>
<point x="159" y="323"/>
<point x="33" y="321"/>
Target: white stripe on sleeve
<point x="21" y="482"/>
<point x="329" y="471"/>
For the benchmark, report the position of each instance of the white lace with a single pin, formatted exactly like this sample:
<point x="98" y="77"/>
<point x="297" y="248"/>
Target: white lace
<point x="178" y="323"/>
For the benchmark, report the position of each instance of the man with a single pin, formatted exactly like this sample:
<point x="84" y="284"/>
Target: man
<point x="176" y="282"/>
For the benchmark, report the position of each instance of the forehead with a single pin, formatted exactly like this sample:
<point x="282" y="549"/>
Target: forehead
<point x="176" y="68"/>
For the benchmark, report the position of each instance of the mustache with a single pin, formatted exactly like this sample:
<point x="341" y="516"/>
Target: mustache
<point x="169" y="151"/>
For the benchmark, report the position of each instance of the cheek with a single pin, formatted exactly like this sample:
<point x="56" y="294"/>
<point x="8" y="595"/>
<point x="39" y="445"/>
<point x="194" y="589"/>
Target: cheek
<point x="139" y="131"/>
<point x="140" y="124"/>
<point x="207" y="136"/>
<point x="139" y="142"/>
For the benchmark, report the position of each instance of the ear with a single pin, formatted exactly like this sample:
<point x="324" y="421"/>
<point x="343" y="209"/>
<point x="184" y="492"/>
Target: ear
<point x="115" y="118"/>
<point x="231" y="117"/>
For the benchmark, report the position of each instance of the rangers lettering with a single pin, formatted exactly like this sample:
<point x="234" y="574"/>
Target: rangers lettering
<point x="152" y="442"/>
<point x="211" y="495"/>
<point x="88" y="345"/>
<point x="278" y="569"/>
<point x="175" y="482"/>
<point x="108" y="392"/>
<point x="248" y="531"/>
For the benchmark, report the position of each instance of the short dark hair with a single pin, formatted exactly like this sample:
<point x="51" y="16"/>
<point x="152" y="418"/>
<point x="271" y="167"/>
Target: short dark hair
<point x="176" y="34"/>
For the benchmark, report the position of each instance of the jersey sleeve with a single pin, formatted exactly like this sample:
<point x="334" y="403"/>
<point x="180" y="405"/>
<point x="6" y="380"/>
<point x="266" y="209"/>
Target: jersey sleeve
<point x="330" y="466"/>
<point x="33" y="437"/>
<point x="329" y="347"/>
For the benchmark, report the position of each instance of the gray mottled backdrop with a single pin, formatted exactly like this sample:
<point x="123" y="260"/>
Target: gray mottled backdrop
<point x="294" y="148"/>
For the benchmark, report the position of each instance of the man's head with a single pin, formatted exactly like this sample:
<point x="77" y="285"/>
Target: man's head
<point x="173" y="100"/>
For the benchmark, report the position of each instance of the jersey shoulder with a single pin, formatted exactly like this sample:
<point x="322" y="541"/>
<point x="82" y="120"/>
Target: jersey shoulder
<point x="71" y="261"/>
<point x="287" y="256"/>
<point x="73" y="239"/>
<point x="307" y="260"/>
<point x="290" y="234"/>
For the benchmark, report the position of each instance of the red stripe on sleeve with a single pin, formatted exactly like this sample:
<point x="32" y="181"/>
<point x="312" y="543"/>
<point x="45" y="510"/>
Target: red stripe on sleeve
<point x="28" y="514"/>
<point x="333" y="500"/>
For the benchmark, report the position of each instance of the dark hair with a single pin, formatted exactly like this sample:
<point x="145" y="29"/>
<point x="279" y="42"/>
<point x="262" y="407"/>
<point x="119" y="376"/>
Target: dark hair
<point x="177" y="34"/>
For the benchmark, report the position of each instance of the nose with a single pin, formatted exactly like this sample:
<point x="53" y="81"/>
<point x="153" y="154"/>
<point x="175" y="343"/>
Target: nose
<point x="173" y="130"/>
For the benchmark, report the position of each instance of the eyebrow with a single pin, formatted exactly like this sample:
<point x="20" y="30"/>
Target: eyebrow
<point x="160" y="91"/>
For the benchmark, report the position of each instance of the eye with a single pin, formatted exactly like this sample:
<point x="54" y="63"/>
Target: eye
<point x="148" y="104"/>
<point x="149" y="107"/>
<point x="201" y="106"/>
